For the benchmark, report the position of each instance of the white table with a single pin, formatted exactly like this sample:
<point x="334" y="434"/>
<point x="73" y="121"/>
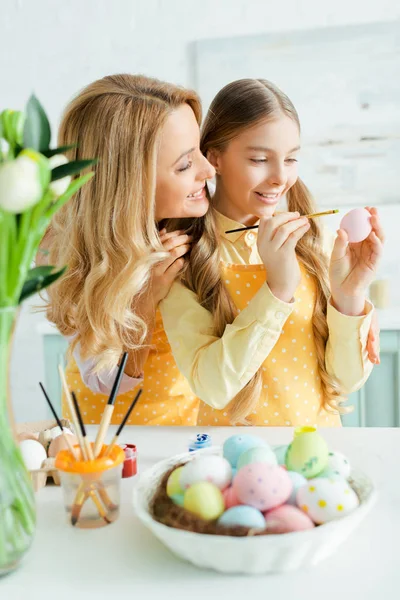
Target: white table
<point x="124" y="560"/>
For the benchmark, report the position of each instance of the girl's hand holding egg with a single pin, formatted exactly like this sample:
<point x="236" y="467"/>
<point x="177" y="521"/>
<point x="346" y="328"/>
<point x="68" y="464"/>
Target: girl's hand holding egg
<point x="354" y="259"/>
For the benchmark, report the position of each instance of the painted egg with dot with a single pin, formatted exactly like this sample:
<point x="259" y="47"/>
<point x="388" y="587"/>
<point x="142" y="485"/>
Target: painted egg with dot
<point x="357" y="224"/>
<point x="230" y="497"/>
<point x="325" y="499"/>
<point x="253" y="455"/>
<point x="173" y="484"/>
<point x="205" y="500"/>
<point x="287" y="518"/>
<point x="246" y="516"/>
<point x="214" y="469"/>
<point x="280" y="453"/>
<point x="338" y="466"/>
<point x="262" y="485"/>
<point x="308" y="453"/>
<point x="235" y="445"/>
<point x="298" y="481"/>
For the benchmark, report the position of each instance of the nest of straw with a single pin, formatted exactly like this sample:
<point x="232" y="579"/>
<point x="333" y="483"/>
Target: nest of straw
<point x="163" y="510"/>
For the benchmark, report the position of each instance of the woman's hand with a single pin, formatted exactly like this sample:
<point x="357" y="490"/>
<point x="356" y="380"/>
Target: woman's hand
<point x="353" y="267"/>
<point x="177" y="244"/>
<point x="277" y="240"/>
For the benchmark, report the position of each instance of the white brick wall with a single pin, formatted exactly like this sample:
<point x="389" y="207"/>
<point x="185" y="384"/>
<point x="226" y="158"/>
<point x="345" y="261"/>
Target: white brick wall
<point x="55" y="48"/>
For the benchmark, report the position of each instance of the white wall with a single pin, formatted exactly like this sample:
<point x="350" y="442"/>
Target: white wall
<point x="54" y="48"/>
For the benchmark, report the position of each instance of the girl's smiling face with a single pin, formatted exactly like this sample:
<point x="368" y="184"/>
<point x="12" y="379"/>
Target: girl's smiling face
<point x="256" y="169"/>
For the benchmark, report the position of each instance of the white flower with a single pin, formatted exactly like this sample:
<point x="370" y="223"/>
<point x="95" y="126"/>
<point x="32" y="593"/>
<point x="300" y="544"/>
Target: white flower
<point x="20" y="186"/>
<point x="60" y="186"/>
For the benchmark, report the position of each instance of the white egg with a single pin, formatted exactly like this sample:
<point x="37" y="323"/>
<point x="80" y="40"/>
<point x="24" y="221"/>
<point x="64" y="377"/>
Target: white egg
<point x="324" y="499"/>
<point x="214" y="469"/>
<point x="338" y="466"/>
<point x="33" y="454"/>
<point x="56" y="431"/>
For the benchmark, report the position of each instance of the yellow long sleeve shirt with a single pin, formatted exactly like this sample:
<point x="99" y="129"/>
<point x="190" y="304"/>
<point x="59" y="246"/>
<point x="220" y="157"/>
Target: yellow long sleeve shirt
<point x="217" y="368"/>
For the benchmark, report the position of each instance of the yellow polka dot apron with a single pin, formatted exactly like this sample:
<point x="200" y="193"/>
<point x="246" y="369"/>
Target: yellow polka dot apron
<point x="166" y="399"/>
<point x="291" y="394"/>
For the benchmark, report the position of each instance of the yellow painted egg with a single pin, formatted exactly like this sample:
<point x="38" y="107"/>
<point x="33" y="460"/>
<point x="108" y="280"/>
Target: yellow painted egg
<point x="205" y="500"/>
<point x="173" y="485"/>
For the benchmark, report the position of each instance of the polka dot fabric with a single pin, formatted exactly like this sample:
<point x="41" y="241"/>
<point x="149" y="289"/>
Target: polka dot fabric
<point x="166" y="399"/>
<point x="291" y="394"/>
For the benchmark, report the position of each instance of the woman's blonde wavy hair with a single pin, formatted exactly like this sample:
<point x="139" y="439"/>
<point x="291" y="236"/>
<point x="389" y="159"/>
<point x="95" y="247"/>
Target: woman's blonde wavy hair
<point x="239" y="105"/>
<point x="107" y="234"/>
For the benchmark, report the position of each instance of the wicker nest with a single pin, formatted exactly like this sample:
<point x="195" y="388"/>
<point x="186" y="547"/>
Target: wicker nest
<point x="163" y="510"/>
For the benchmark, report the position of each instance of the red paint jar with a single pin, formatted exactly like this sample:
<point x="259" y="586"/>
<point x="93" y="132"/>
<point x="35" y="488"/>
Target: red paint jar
<point x="130" y="462"/>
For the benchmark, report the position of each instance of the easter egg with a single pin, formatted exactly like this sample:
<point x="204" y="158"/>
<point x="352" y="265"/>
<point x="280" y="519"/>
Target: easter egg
<point x="33" y="454"/>
<point x="173" y="483"/>
<point x="325" y="499"/>
<point x="357" y="224"/>
<point x="214" y="469"/>
<point x="246" y="516"/>
<point x="338" y="466"/>
<point x="262" y="485"/>
<point x="230" y="497"/>
<point x="287" y="518"/>
<point x="205" y="500"/>
<point x="260" y="454"/>
<point x="177" y="499"/>
<point x="298" y="481"/>
<point x="235" y="445"/>
<point x="308" y="452"/>
<point x="59" y="443"/>
<point x="280" y="453"/>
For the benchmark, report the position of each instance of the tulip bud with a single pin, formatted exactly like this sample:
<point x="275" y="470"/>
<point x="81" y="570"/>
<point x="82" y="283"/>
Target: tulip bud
<point x="23" y="181"/>
<point x="60" y="186"/>
<point x="13" y="122"/>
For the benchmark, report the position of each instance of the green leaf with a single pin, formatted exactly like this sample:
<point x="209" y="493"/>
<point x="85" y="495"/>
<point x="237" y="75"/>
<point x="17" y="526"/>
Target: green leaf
<point x="38" y="279"/>
<point x="37" y="132"/>
<point x="71" y="168"/>
<point x="60" y="150"/>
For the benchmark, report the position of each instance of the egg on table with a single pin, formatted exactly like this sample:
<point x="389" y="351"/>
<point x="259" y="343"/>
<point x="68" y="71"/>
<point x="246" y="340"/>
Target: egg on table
<point x="214" y="469"/>
<point x="262" y="485"/>
<point x="230" y="497"/>
<point x="338" y="466"/>
<point x="205" y="500"/>
<point x="325" y="499"/>
<point x="33" y="454"/>
<point x="235" y="445"/>
<point x="246" y="516"/>
<point x="280" y="453"/>
<point x="298" y="480"/>
<point x="58" y="443"/>
<point x="258" y="454"/>
<point x="286" y="519"/>
<point x="174" y="483"/>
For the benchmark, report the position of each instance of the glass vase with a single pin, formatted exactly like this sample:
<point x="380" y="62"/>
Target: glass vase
<point x="17" y="501"/>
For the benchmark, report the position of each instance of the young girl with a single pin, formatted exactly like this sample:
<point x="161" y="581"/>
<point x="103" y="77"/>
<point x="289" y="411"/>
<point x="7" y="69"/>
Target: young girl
<point x="269" y="326"/>
<point x="146" y="136"/>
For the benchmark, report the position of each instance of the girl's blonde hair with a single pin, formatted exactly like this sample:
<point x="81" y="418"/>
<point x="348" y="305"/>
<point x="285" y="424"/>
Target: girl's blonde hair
<point x="107" y="233"/>
<point x="236" y="107"/>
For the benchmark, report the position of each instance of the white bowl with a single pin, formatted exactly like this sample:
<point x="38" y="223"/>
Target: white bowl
<point x="252" y="555"/>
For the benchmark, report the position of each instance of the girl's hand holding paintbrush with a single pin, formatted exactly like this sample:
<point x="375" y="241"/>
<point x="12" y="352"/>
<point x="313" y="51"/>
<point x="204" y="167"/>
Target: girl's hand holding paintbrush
<point x="277" y="240"/>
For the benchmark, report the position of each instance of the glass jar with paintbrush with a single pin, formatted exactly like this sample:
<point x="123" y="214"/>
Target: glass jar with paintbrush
<point x="91" y="473"/>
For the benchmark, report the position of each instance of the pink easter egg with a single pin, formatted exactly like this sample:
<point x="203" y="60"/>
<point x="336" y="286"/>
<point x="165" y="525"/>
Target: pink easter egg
<point x="230" y="497"/>
<point x="287" y="518"/>
<point x="357" y="224"/>
<point x="262" y="485"/>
